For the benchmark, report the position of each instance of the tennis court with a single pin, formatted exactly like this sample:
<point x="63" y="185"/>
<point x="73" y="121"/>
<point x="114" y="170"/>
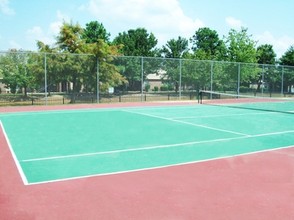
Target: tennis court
<point x="61" y="146"/>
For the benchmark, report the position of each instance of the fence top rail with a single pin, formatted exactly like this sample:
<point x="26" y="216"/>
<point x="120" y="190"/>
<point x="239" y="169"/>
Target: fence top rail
<point x="51" y="53"/>
<point x="142" y="57"/>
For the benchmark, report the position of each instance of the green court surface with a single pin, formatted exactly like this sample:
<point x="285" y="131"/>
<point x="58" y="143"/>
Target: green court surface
<point x="59" y="145"/>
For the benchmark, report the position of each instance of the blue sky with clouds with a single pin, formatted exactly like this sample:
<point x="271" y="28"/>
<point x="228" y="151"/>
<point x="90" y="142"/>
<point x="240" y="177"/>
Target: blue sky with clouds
<point x="23" y="22"/>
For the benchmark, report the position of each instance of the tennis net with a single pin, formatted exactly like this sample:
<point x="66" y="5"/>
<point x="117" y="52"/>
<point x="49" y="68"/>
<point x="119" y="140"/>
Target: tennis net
<point x="258" y="103"/>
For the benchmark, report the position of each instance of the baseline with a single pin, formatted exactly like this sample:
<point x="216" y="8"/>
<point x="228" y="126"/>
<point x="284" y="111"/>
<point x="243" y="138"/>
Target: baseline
<point x="159" y="167"/>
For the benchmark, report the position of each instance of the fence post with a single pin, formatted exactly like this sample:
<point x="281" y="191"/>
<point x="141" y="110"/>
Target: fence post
<point x="97" y="77"/>
<point x="45" y="68"/>
<point x="180" y="89"/>
<point x="211" y="77"/>
<point x="239" y="78"/>
<point x="142" y="78"/>
<point x="282" y="83"/>
<point x="262" y="78"/>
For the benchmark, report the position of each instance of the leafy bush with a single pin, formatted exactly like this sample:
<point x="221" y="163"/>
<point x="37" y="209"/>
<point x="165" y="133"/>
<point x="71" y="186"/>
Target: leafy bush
<point x="164" y="88"/>
<point x="147" y="87"/>
<point x="167" y="87"/>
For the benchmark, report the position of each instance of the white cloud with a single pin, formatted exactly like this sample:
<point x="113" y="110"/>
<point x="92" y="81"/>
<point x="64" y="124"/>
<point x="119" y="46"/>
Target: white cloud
<point x="234" y="23"/>
<point x="164" y="18"/>
<point x="37" y="31"/>
<point x="5" y="9"/>
<point x="280" y="44"/>
<point x="37" y="34"/>
<point x="55" y="26"/>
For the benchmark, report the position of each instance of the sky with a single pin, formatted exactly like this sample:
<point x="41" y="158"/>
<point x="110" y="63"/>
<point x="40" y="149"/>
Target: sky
<point x="24" y="22"/>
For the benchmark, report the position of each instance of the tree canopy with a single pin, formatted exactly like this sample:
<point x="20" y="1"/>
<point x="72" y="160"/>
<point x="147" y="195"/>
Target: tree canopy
<point x="137" y="42"/>
<point x="266" y="54"/>
<point x="241" y="47"/>
<point x="288" y="57"/>
<point x="69" y="38"/>
<point x="206" y="43"/>
<point x="95" y="31"/>
<point x="175" y="48"/>
<point x="93" y="42"/>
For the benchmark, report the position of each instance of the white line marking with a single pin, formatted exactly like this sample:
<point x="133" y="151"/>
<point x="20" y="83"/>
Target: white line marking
<point x="154" y="147"/>
<point x="188" y="123"/>
<point x="23" y="177"/>
<point x="160" y="167"/>
<point x="85" y="110"/>
<point x="49" y="112"/>
<point x="129" y="150"/>
<point x="225" y="115"/>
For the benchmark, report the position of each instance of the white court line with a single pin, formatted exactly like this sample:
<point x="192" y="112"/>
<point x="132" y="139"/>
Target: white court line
<point x="130" y="149"/>
<point x="188" y="123"/>
<point x="92" y="110"/>
<point x="154" y="147"/>
<point x="224" y="115"/>
<point x="23" y="177"/>
<point x="65" y="111"/>
<point x="160" y="167"/>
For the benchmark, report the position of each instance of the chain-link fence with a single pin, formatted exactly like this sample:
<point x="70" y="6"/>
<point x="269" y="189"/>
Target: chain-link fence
<point x="28" y="78"/>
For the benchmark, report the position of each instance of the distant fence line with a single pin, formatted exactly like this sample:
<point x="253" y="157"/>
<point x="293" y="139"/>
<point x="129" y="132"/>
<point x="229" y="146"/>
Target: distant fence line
<point x="31" y="78"/>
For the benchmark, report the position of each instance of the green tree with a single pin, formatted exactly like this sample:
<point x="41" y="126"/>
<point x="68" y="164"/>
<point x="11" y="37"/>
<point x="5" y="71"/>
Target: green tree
<point x="54" y="67"/>
<point x="70" y="38"/>
<point x="198" y="55"/>
<point x="95" y="31"/>
<point x="288" y="57"/>
<point x="72" y="64"/>
<point x="241" y="46"/>
<point x="175" y="48"/>
<point x="16" y="72"/>
<point x="137" y="42"/>
<point x="109" y="75"/>
<point x="196" y="74"/>
<point x="266" y="54"/>
<point x="267" y="57"/>
<point x="207" y="45"/>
